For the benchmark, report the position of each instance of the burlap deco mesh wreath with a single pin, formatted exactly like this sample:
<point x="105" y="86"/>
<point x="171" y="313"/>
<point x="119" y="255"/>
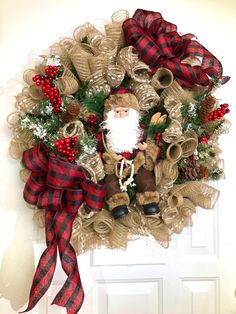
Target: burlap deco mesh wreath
<point x="77" y="166"/>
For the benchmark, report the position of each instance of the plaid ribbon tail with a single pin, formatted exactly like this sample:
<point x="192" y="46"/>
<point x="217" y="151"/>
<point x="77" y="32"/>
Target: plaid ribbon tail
<point x="71" y="295"/>
<point x="46" y="266"/>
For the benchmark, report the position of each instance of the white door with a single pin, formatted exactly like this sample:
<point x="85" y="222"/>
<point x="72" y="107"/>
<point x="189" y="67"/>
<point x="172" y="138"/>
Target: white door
<point x="197" y="273"/>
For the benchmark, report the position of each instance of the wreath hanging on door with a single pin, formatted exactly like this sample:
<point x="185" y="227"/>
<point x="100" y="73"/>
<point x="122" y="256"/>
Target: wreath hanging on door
<point x="118" y="134"/>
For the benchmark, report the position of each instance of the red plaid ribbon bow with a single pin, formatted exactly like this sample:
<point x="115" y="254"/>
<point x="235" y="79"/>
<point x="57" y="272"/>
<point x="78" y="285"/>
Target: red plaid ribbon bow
<point x="60" y="188"/>
<point x="159" y="45"/>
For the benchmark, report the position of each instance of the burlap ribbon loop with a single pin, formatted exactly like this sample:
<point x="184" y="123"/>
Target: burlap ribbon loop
<point x="86" y="32"/>
<point x="189" y="144"/>
<point x="80" y="59"/>
<point x="28" y="76"/>
<point x="174" y="152"/>
<point x="119" y="236"/>
<point x="104" y="223"/>
<point x="62" y="49"/>
<point x="115" y="75"/>
<point x="134" y="67"/>
<point x="35" y="92"/>
<point x="108" y="47"/>
<point x="25" y="103"/>
<point x="73" y="129"/>
<point x="98" y="83"/>
<point x="174" y="131"/>
<point x="114" y="30"/>
<point x="93" y="164"/>
<point x="67" y="84"/>
<point x="146" y="95"/>
<point x="162" y="79"/>
<point x="166" y="173"/>
<point x="199" y="193"/>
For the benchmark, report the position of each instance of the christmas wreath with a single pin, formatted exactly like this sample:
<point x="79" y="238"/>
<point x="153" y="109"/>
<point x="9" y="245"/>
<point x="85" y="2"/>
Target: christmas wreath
<point x="118" y="135"/>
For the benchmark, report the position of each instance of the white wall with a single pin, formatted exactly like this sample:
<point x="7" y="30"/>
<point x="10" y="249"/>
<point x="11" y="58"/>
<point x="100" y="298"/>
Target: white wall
<point x="26" y="28"/>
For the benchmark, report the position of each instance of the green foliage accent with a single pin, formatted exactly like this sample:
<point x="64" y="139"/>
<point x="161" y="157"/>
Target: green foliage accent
<point x="132" y="190"/>
<point x="88" y="144"/>
<point x="147" y="117"/>
<point x="94" y="103"/>
<point x="42" y="127"/>
<point x="216" y="173"/>
<point x="180" y="179"/>
<point x="153" y="129"/>
<point x="163" y="150"/>
<point x="190" y="119"/>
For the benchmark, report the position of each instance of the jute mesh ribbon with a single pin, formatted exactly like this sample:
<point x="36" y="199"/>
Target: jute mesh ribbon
<point x="177" y="92"/>
<point x="62" y="49"/>
<point x="97" y="83"/>
<point x="114" y="30"/>
<point x="162" y="79"/>
<point x="115" y="75"/>
<point x="166" y="171"/>
<point x="174" y="131"/>
<point x="80" y="59"/>
<point x="134" y="67"/>
<point x="86" y="31"/>
<point x="93" y="164"/>
<point x="146" y="95"/>
<point x="67" y="83"/>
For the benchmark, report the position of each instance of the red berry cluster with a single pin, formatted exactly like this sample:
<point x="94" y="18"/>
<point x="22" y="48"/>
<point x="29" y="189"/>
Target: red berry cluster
<point x="65" y="147"/>
<point x="46" y="83"/>
<point x="204" y="140"/>
<point x="218" y="113"/>
<point x="142" y="126"/>
<point x="158" y="137"/>
<point x="91" y="119"/>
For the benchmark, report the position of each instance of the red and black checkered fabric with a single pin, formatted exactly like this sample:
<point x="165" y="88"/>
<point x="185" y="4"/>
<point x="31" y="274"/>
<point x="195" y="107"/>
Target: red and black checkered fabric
<point x="159" y="45"/>
<point x="60" y="188"/>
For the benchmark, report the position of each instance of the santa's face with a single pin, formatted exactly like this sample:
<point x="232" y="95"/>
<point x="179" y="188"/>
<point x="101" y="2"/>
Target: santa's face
<point x="123" y="129"/>
<point x="121" y="112"/>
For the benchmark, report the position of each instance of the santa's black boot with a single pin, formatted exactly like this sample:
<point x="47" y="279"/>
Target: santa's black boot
<point x="151" y="209"/>
<point x="119" y="211"/>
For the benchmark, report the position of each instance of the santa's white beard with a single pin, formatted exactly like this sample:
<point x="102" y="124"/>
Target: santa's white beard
<point x="123" y="133"/>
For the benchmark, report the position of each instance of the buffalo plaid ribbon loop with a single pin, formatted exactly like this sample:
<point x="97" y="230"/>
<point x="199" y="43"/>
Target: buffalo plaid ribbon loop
<point x="159" y="45"/>
<point x="60" y="188"/>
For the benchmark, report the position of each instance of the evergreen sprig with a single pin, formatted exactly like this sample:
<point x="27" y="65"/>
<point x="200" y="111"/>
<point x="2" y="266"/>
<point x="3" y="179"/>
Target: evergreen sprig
<point x="94" y="103"/>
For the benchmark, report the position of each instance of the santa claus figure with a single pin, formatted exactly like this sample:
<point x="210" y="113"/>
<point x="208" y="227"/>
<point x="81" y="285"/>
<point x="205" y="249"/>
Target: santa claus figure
<point x="128" y="160"/>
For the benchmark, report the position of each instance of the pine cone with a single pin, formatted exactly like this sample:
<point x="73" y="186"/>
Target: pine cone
<point x="74" y="109"/>
<point x="92" y="129"/>
<point x="204" y="172"/>
<point x="207" y="106"/>
<point x="191" y="170"/>
<point x="71" y="113"/>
